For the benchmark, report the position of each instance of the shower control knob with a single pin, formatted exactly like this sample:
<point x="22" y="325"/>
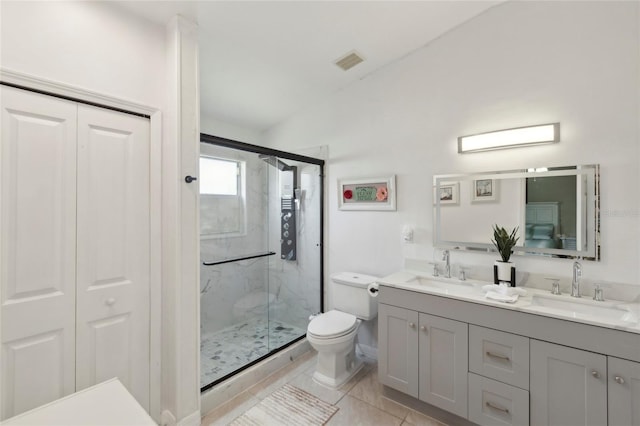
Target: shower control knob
<point x="289" y="242"/>
<point x="285" y="234"/>
<point x="287" y="216"/>
<point x="285" y="226"/>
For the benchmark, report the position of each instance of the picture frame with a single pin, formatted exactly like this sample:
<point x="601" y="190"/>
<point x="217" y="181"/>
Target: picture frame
<point x="448" y="193"/>
<point x="483" y="190"/>
<point x="375" y="193"/>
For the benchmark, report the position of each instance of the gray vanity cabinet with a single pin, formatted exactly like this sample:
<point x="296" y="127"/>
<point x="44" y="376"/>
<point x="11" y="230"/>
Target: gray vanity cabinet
<point x="568" y="386"/>
<point x="398" y="348"/>
<point x="424" y="356"/>
<point x="624" y="392"/>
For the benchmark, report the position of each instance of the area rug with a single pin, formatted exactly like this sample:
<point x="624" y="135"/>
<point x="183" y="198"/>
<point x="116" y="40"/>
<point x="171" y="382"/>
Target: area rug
<point x="288" y="405"/>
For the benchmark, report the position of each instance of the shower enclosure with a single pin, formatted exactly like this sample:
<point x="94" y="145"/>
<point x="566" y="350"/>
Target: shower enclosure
<point x="261" y="252"/>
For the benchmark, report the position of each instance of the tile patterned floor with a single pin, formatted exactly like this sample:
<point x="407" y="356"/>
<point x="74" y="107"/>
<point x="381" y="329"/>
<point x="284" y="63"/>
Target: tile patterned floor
<point x="233" y="347"/>
<point x="359" y="402"/>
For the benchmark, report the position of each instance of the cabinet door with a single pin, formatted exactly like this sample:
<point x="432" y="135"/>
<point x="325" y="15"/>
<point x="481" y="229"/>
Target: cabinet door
<point x="113" y="250"/>
<point x="443" y="363"/>
<point x="624" y="392"/>
<point x="37" y="250"/>
<point x="398" y="348"/>
<point x="567" y="386"/>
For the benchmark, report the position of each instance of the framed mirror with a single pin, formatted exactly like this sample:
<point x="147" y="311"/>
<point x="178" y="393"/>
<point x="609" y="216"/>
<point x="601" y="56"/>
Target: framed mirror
<point x="556" y="210"/>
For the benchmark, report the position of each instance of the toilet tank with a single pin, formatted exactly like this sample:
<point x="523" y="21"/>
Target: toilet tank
<point x="350" y="294"/>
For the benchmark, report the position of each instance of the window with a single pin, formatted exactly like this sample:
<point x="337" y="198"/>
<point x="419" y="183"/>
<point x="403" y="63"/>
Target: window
<point x="219" y="177"/>
<point x="222" y="203"/>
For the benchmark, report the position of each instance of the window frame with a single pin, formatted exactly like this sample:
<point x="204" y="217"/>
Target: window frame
<point x="241" y="196"/>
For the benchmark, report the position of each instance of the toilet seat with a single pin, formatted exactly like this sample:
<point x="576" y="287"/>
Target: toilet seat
<point x="332" y="324"/>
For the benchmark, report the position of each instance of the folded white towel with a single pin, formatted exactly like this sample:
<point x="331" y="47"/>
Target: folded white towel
<point x="502" y="297"/>
<point x="504" y="290"/>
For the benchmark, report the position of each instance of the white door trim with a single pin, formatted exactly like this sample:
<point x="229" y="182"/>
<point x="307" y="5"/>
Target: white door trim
<point x="155" y="288"/>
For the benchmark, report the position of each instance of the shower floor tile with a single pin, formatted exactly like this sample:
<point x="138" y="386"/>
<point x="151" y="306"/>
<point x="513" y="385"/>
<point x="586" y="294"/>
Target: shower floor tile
<point x="233" y="347"/>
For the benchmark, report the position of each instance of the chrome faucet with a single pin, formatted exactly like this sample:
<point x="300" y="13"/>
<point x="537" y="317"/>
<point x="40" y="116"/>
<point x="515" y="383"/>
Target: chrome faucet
<point x="575" y="282"/>
<point x="447" y="266"/>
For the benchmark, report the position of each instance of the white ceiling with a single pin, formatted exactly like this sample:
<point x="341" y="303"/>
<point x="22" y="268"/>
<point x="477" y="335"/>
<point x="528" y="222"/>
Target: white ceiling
<point x="262" y="61"/>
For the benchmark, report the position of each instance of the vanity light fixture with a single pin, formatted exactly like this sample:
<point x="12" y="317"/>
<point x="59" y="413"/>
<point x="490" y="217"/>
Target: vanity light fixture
<point x="510" y="138"/>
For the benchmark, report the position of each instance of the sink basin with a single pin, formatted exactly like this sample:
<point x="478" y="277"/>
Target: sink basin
<point x="449" y="286"/>
<point x="580" y="308"/>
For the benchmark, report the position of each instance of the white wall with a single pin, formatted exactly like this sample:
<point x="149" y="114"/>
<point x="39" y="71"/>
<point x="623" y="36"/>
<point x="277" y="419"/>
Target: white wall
<point x="211" y="126"/>
<point x="91" y="45"/>
<point x="519" y="63"/>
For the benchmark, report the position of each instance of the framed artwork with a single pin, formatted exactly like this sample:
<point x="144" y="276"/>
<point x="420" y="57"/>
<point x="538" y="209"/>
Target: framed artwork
<point x="377" y="193"/>
<point x="448" y="193"/>
<point x="484" y="190"/>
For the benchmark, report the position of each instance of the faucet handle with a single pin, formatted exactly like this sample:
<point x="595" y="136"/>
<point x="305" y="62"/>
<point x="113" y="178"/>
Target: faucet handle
<point x="462" y="273"/>
<point x="435" y="269"/>
<point x="598" y="294"/>
<point x="555" y="285"/>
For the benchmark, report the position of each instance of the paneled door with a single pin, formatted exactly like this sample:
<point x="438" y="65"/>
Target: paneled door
<point x="74" y="252"/>
<point x="443" y="365"/>
<point x="113" y="250"/>
<point x="568" y="386"/>
<point x="398" y="348"/>
<point x="37" y="250"/>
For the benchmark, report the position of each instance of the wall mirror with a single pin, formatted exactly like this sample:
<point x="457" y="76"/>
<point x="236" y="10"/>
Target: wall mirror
<point x="557" y="210"/>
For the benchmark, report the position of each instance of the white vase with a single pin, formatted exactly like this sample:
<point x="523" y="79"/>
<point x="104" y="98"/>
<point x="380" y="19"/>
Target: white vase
<point x="504" y="270"/>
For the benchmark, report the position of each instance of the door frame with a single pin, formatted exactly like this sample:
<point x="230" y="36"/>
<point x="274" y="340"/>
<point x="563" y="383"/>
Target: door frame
<point x="78" y="94"/>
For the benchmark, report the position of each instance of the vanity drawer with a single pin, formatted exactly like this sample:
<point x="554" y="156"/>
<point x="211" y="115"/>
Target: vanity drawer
<point x="499" y="355"/>
<point x="492" y="403"/>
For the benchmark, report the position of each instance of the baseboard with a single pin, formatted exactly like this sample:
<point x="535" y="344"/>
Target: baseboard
<point x="167" y="419"/>
<point x="193" y="419"/>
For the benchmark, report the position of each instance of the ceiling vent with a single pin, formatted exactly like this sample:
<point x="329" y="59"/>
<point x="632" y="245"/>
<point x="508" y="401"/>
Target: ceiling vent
<point x="349" y="61"/>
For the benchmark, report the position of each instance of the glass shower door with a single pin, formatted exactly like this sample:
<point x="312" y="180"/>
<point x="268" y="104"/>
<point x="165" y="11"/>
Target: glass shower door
<point x="295" y="235"/>
<point x="234" y="297"/>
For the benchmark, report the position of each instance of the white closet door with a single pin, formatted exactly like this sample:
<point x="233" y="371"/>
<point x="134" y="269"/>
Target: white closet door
<point x="38" y="250"/>
<point x="113" y="250"/>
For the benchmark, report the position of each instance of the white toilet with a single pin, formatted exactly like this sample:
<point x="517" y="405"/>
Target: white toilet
<point x="333" y="333"/>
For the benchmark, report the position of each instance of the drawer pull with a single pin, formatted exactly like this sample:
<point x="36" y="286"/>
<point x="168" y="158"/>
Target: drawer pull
<point x="502" y="357"/>
<point x="619" y="379"/>
<point x="496" y="407"/>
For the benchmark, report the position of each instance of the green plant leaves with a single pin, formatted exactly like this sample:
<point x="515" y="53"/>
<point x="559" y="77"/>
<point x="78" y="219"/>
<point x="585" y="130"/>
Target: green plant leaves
<point x="504" y="241"/>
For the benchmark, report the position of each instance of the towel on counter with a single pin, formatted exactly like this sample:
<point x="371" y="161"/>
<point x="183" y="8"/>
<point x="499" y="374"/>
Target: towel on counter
<point x="503" y="293"/>
<point x="493" y="295"/>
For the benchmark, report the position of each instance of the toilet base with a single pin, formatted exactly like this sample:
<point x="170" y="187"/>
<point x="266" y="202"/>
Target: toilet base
<point x="352" y="365"/>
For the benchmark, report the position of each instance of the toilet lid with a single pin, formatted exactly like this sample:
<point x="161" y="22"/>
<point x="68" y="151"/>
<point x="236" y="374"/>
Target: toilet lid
<point x="332" y="323"/>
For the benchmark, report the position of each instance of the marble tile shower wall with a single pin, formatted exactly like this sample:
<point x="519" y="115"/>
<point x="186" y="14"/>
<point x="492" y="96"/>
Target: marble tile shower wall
<point x="222" y="286"/>
<point x="297" y="283"/>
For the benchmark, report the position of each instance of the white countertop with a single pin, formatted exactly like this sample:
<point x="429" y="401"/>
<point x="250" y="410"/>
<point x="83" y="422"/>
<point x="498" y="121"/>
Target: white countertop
<point x="105" y="404"/>
<point x="471" y="291"/>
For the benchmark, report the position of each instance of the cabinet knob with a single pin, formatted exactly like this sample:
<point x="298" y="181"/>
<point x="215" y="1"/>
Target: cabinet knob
<point x="412" y="325"/>
<point x="595" y="374"/>
<point x="423" y="328"/>
<point x="110" y="301"/>
<point x="619" y="379"/>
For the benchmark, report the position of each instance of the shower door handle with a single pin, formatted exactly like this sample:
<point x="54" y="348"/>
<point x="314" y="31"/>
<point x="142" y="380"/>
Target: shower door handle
<point x="190" y="179"/>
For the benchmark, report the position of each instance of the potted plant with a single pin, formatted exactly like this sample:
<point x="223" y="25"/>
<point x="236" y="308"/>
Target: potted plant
<point x="504" y="242"/>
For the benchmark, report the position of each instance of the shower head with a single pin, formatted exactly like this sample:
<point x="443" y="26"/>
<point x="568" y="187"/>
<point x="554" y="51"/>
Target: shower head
<point x="275" y="162"/>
